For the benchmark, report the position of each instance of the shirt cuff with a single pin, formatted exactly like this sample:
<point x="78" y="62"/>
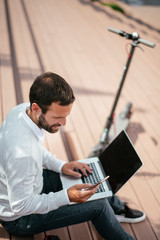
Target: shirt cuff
<point x="67" y="198"/>
<point x="60" y="167"/>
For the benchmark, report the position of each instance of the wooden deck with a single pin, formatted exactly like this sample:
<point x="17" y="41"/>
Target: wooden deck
<point x="70" y="38"/>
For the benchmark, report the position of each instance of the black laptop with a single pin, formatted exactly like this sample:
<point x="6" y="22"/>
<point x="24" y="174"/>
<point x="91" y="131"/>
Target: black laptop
<point x="119" y="160"/>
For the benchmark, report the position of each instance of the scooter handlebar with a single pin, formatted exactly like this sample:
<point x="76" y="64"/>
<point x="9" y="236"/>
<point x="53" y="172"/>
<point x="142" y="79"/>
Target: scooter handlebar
<point x="133" y="36"/>
<point x="147" y="43"/>
<point x="114" y="30"/>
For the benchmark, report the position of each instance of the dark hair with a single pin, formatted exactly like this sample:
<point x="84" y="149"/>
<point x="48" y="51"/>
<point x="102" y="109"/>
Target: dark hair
<point x="48" y="88"/>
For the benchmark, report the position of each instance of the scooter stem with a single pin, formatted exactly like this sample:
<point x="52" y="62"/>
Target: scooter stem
<point x="109" y="122"/>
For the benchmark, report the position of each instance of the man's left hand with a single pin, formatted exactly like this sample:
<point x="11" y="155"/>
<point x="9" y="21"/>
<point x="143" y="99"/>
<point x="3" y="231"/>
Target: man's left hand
<point x="69" y="169"/>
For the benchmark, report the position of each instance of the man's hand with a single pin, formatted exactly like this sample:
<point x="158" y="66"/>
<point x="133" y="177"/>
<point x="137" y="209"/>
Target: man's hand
<point x="69" y="169"/>
<point x="80" y="193"/>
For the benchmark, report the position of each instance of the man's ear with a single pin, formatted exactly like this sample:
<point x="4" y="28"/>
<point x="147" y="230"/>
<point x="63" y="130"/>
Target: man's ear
<point x="36" y="109"/>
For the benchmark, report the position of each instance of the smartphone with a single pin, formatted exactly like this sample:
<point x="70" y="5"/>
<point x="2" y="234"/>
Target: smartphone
<point x="98" y="183"/>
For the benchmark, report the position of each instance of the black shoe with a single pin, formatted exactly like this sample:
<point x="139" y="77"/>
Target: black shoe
<point x="129" y="215"/>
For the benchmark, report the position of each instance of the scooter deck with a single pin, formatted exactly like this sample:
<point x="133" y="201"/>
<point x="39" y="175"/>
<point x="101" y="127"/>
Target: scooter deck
<point x="119" y="125"/>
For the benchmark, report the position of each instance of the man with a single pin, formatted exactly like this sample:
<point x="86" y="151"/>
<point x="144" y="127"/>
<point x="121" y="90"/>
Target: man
<point x="30" y="203"/>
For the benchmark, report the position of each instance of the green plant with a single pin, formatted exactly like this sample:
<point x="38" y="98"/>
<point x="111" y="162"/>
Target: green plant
<point x="114" y="6"/>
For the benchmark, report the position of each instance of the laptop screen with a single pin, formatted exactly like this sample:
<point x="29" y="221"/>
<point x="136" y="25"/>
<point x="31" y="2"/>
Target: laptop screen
<point x="120" y="161"/>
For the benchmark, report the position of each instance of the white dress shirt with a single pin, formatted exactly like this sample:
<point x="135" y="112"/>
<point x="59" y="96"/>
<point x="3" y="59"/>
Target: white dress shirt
<point x="22" y="158"/>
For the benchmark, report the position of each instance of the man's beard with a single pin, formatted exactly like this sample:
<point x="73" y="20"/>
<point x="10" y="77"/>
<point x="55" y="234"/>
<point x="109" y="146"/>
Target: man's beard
<point x="43" y="124"/>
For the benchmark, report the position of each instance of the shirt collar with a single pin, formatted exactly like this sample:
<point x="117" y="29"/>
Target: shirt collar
<point x="37" y="131"/>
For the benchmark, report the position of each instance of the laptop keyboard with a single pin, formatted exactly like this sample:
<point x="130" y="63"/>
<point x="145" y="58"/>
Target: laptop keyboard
<point x="93" y="178"/>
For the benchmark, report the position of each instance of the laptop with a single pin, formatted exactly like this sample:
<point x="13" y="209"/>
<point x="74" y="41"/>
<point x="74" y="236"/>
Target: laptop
<point x="119" y="160"/>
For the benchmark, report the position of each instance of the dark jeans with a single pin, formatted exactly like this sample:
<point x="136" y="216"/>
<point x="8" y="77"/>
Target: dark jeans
<point x="99" y="212"/>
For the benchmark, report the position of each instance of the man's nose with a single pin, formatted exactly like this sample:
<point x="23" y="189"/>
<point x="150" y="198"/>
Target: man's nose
<point x="62" y="122"/>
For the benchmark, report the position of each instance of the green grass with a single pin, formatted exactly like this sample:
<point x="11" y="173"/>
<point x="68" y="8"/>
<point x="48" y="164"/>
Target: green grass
<point x="114" y="6"/>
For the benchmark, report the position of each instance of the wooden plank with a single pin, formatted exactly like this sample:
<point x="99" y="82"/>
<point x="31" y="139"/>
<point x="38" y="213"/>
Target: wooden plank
<point x="80" y="231"/>
<point x="62" y="233"/>
<point x="7" y="80"/>
<point x="3" y="233"/>
<point x="94" y="232"/>
<point x="39" y="236"/>
<point x="129" y="195"/>
<point x="28" y="65"/>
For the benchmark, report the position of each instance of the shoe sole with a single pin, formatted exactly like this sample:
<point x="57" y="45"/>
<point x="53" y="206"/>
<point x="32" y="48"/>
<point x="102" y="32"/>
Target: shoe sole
<point x="130" y="220"/>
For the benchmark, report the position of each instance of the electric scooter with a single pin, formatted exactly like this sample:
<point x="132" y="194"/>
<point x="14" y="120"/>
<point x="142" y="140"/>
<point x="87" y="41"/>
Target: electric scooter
<point x="121" y="122"/>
